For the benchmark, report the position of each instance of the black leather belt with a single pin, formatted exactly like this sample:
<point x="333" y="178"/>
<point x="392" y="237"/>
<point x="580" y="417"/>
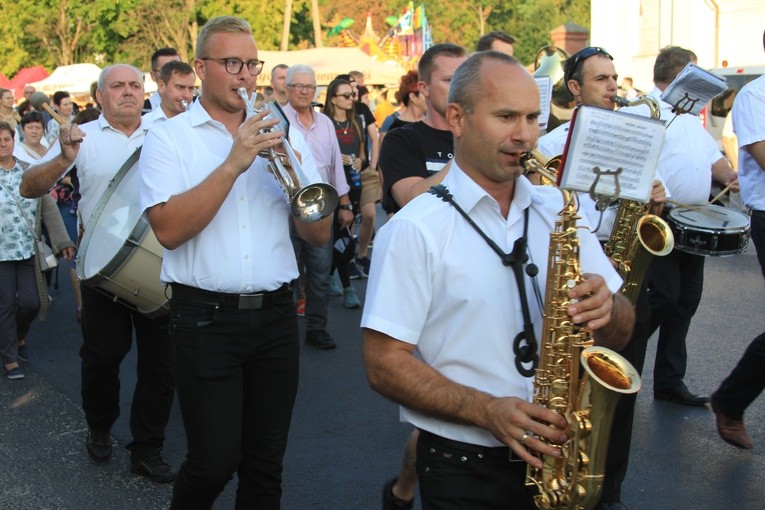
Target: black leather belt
<point x="489" y="452"/>
<point x="256" y="301"/>
<point x="759" y="214"/>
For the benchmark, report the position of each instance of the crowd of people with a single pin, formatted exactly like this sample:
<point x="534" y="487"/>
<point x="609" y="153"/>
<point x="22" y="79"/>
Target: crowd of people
<point x="446" y="166"/>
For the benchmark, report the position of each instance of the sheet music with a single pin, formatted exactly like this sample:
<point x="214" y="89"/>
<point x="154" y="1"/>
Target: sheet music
<point x="545" y="96"/>
<point x="693" y="88"/>
<point x="605" y="146"/>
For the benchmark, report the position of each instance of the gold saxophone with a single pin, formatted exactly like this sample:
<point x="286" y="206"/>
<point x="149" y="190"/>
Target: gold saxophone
<point x="637" y="236"/>
<point x="575" y="479"/>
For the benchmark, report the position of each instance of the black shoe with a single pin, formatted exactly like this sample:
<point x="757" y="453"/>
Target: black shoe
<point x="391" y="502"/>
<point x="154" y="468"/>
<point x="99" y="445"/>
<point x="353" y="271"/>
<point x="320" y="339"/>
<point x="681" y="395"/>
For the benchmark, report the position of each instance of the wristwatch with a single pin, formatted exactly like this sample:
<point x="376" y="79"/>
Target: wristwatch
<point x="347" y="207"/>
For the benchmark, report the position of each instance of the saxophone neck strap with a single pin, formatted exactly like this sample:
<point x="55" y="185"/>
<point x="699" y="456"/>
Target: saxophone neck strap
<point x="524" y="344"/>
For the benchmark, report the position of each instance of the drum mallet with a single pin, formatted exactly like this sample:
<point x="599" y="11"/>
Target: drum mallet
<point x="40" y="101"/>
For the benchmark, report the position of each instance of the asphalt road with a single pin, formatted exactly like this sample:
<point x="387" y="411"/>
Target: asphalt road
<point x="346" y="440"/>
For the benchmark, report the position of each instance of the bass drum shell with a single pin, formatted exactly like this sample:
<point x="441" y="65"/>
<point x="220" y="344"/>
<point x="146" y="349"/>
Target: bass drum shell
<point x="119" y="253"/>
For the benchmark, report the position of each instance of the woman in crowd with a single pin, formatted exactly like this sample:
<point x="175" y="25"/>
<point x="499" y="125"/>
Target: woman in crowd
<point x="23" y="291"/>
<point x="7" y="112"/>
<point x="34" y="145"/>
<point x="62" y="103"/>
<point x="339" y="107"/>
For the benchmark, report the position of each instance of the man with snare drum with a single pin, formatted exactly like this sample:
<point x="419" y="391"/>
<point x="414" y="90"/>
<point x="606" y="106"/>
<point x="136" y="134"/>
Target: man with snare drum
<point x="99" y="149"/>
<point x="689" y="161"/>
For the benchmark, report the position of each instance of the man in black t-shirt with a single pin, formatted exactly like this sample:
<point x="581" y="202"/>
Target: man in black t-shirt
<point x="411" y="156"/>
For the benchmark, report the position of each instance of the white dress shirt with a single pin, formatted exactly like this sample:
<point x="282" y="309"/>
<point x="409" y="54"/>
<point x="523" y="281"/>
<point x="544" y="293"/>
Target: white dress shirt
<point x="436" y="284"/>
<point x="246" y="247"/>
<point x="749" y="126"/>
<point x="102" y="153"/>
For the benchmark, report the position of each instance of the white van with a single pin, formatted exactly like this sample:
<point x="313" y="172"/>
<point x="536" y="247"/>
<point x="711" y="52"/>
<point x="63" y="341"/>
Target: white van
<point x="713" y="115"/>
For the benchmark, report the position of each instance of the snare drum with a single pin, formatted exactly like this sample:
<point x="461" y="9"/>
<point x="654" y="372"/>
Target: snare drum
<point x="119" y="253"/>
<point x="709" y="230"/>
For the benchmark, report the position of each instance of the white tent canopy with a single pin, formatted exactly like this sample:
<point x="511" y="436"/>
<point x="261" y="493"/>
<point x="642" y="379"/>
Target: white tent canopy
<point x="329" y="62"/>
<point x="75" y="79"/>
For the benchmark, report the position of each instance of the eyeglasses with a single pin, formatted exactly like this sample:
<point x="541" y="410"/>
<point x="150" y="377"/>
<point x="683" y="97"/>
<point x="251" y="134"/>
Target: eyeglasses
<point x="234" y="65"/>
<point x="301" y="87"/>
<point x="347" y="95"/>
<point x="574" y="62"/>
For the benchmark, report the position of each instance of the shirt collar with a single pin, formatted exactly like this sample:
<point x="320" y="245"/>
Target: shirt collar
<point x="104" y="124"/>
<point x="468" y="194"/>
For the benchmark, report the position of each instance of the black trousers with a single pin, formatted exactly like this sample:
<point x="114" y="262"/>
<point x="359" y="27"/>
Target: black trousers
<point x="747" y="380"/>
<point x="453" y="477"/>
<point x="676" y="282"/>
<point x="237" y="376"/>
<point x="107" y="334"/>
<point x="617" y="458"/>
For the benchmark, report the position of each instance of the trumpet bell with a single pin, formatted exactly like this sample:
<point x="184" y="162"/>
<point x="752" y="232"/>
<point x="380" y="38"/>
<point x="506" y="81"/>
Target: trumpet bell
<point x="314" y="202"/>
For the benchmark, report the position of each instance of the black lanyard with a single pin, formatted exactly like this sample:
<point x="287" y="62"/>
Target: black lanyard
<point x="525" y="343"/>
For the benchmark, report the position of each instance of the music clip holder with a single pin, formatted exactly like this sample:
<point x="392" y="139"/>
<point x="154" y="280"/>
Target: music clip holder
<point x="684" y="105"/>
<point x="603" y="201"/>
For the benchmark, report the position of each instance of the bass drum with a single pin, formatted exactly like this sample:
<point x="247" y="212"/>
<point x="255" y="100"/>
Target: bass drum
<point x="119" y="253"/>
<point x="709" y="230"/>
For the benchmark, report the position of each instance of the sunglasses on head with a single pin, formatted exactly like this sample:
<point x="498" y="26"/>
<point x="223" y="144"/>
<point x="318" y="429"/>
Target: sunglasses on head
<point x="574" y="62"/>
<point x="347" y="95"/>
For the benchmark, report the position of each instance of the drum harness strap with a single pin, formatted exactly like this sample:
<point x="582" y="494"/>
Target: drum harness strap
<point x="525" y="343"/>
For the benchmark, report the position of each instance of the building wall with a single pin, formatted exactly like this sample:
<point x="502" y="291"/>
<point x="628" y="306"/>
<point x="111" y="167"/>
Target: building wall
<point x="634" y="31"/>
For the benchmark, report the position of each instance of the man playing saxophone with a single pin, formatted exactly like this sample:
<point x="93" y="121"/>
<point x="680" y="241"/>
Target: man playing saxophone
<point x="591" y="77"/>
<point x="442" y="310"/>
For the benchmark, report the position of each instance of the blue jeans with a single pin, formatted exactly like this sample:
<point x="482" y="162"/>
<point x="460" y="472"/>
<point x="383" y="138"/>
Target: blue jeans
<point x="236" y="373"/>
<point x="317" y="262"/>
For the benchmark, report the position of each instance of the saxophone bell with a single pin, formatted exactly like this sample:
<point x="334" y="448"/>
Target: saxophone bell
<point x="308" y="201"/>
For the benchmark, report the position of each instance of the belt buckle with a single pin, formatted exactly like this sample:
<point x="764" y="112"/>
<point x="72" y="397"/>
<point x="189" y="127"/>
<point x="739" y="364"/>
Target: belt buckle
<point x="250" y="301"/>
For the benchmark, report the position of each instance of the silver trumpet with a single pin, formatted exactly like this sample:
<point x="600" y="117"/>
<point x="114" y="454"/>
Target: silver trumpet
<point x="185" y="104"/>
<point x="308" y="201"/>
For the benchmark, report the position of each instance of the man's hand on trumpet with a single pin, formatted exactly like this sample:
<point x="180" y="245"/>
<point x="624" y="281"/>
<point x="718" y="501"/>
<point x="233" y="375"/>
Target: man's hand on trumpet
<point x="252" y="139"/>
<point x="70" y="137"/>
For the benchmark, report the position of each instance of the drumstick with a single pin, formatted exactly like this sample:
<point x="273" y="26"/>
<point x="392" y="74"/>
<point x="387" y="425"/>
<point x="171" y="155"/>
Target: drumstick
<point x="40" y="101"/>
<point x="720" y="194"/>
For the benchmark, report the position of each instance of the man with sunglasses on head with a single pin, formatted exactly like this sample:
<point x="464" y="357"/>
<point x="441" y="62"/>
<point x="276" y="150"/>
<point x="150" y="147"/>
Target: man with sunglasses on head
<point x="319" y="132"/>
<point x="591" y="78"/>
<point x="225" y="225"/>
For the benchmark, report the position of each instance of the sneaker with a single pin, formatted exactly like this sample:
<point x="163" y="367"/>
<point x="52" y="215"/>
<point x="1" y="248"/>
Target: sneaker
<point x="24" y="352"/>
<point x="350" y="299"/>
<point x="99" y="445"/>
<point x="154" y="468"/>
<point x="320" y="339"/>
<point x="14" y="373"/>
<point x="334" y="286"/>
<point x="300" y="307"/>
<point x="353" y="271"/>
<point x="362" y="264"/>
<point x="391" y="502"/>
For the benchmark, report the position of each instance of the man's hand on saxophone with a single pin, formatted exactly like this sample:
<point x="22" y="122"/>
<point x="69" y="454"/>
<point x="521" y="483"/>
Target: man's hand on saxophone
<point x="611" y="317"/>
<point x="520" y="425"/>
